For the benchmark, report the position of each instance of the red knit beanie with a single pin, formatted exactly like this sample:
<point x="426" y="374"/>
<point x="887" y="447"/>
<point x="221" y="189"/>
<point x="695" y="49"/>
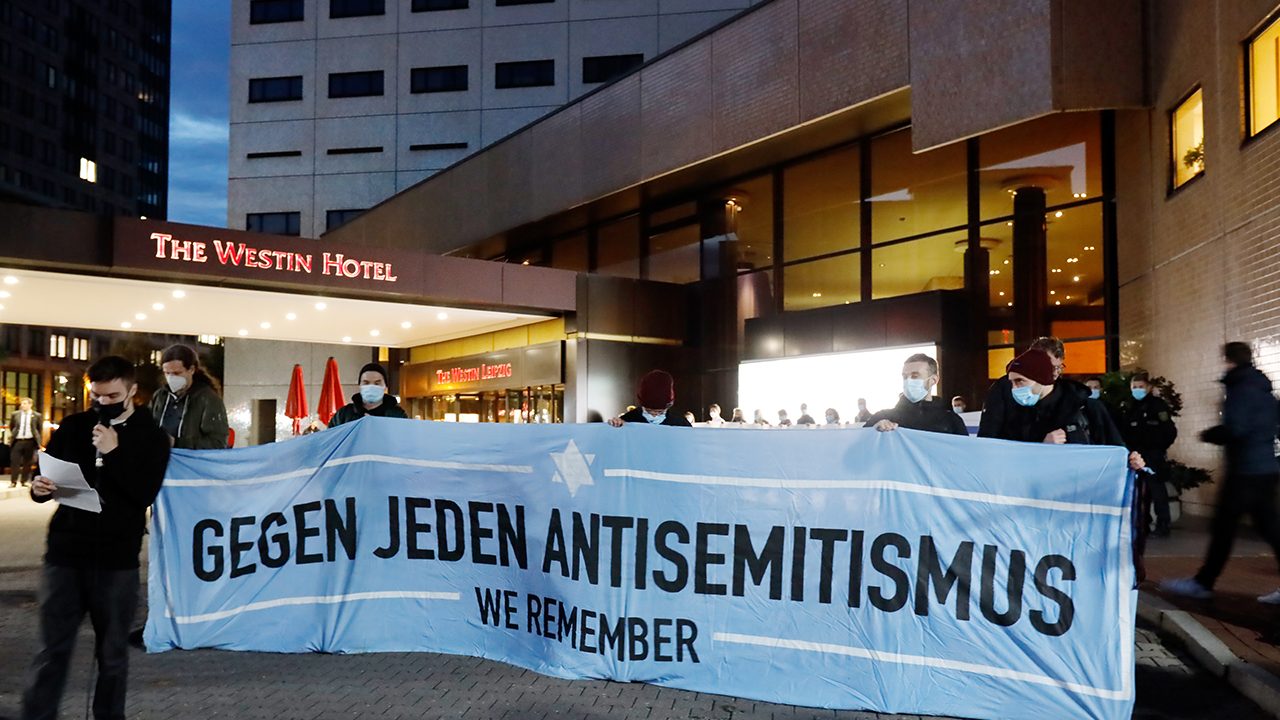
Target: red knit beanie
<point x="1035" y="364"/>
<point x="657" y="390"/>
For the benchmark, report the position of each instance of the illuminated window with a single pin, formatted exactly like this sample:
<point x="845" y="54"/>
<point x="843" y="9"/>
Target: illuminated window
<point x="156" y="355"/>
<point x="1187" y="124"/>
<point x="79" y="349"/>
<point x="88" y="170"/>
<point x="1263" y="86"/>
<point x="209" y="339"/>
<point x="58" y="346"/>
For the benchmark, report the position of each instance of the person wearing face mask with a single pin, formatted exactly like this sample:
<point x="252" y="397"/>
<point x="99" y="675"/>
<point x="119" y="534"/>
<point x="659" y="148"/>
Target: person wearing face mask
<point x="832" y="416"/>
<point x="958" y="405"/>
<point x="1147" y="427"/>
<point x="917" y="409"/>
<point x="999" y="402"/>
<point x="713" y="416"/>
<point x="372" y="398"/>
<point x="657" y="393"/>
<point x="91" y="559"/>
<point x="189" y="408"/>
<point x="1095" y="387"/>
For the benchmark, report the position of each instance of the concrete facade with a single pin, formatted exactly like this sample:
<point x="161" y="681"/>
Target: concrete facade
<point x="479" y="37"/>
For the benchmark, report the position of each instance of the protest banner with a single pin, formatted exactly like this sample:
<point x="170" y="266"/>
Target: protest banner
<point x="899" y="572"/>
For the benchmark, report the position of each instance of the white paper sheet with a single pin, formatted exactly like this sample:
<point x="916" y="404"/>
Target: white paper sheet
<point x="73" y="490"/>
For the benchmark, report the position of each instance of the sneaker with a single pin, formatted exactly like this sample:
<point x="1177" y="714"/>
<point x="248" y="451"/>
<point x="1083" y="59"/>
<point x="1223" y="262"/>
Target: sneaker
<point x="1186" y="587"/>
<point x="1271" y="598"/>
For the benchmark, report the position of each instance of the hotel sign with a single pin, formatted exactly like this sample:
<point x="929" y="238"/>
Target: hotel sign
<point x="240" y="254"/>
<point x="515" y="368"/>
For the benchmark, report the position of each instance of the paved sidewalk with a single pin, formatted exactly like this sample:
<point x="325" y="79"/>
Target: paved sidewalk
<point x="1233" y="615"/>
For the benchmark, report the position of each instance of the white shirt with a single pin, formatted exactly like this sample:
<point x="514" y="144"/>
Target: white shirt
<point x="24" y="427"/>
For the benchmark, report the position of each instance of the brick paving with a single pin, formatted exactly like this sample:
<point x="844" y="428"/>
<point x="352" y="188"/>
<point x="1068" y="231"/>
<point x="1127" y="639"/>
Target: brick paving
<point x="268" y="686"/>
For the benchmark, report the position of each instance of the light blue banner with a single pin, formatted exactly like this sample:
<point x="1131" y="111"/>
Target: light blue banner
<point x="899" y="572"/>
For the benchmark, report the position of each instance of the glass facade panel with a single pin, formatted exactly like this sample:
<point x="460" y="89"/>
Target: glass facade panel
<point x="674" y="255"/>
<point x="998" y="239"/>
<point x="1188" y="138"/>
<point x="934" y="263"/>
<point x="820" y="205"/>
<point x="912" y="194"/>
<point x="1074" y="256"/>
<point x="1060" y="153"/>
<point x="748" y="218"/>
<point x="834" y="281"/>
<point x="570" y="253"/>
<point x="1264" y="78"/>
<point x="618" y="251"/>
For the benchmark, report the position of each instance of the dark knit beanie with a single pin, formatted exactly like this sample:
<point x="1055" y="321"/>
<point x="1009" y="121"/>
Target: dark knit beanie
<point x="1035" y="364"/>
<point x="657" y="390"/>
<point x="376" y="368"/>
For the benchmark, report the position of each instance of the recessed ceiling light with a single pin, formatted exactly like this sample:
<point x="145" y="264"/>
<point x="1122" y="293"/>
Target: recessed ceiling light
<point x="1001" y="293"/>
<point x="179" y="294"/>
<point x="243" y="332"/>
<point x="406" y="324"/>
<point x="264" y="325"/>
<point x="817" y="295"/>
<point x="10" y="280"/>
<point x="321" y="306"/>
<point x="1057" y="302"/>
<point x="157" y="306"/>
<point x="1058" y="214"/>
<point x="126" y="325"/>
<point x="4" y="294"/>
<point x="1010" y="304"/>
<point x="139" y="316"/>
<point x="291" y="316"/>
<point x="442" y="316"/>
<point x="374" y="333"/>
<point x="1053" y="292"/>
<point x="1075" y="278"/>
<point x="346" y="338"/>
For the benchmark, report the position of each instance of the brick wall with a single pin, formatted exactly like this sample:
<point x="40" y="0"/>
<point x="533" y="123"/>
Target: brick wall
<point x="1201" y="265"/>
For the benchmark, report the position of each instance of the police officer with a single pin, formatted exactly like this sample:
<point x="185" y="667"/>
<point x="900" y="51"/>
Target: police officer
<point x="916" y="408"/>
<point x="1147" y="426"/>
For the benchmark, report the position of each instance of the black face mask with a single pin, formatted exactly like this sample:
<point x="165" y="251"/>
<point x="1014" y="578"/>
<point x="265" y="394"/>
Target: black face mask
<point x="107" y="413"/>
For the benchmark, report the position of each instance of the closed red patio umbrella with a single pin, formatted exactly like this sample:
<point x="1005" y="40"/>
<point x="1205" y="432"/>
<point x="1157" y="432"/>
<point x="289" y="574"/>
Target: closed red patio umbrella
<point x="331" y="397"/>
<point x="295" y="406"/>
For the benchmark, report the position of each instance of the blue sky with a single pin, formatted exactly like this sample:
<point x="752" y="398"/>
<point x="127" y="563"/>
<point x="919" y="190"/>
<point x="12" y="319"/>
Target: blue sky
<point x="198" y="121"/>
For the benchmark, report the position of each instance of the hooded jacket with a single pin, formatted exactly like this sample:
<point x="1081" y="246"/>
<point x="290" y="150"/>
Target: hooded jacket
<point x="204" y="418"/>
<point x="1248" y="428"/>
<point x="1068" y="408"/>
<point x="355" y="410"/>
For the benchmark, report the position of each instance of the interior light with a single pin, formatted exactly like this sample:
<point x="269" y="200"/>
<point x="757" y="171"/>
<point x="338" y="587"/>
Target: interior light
<point x="243" y="332"/>
<point x="406" y="325"/>
<point x="374" y="333"/>
<point x="126" y="325"/>
<point x="321" y="306"/>
<point x="10" y="280"/>
<point x="1058" y="214"/>
<point x="1006" y="261"/>
<point x="442" y="316"/>
<point x="179" y="294"/>
<point x="817" y="295"/>
<point x="526" y="262"/>
<point x="1057" y="302"/>
<point x="1053" y="292"/>
<point x="157" y="306"/>
<point x="1001" y="293"/>
<point x="1010" y="304"/>
<point x="346" y="338"/>
<point x="1075" y="278"/>
<point x="139" y="316"/>
<point x="291" y="316"/>
<point x="4" y="294"/>
<point x="264" y="325"/>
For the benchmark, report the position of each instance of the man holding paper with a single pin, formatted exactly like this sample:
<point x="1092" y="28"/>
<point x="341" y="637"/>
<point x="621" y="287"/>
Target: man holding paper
<point x="91" y="561"/>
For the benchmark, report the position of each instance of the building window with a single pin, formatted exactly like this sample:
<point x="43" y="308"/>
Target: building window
<point x="209" y="339"/>
<point x="275" y="89"/>
<point x="355" y="84"/>
<point x="79" y="349"/>
<point x="820" y="283"/>
<point x="450" y="78"/>
<point x="262" y="12"/>
<point x="58" y="346"/>
<point x="334" y="219"/>
<point x="88" y="170"/>
<point x="156" y="357"/>
<point x="508" y="3"/>
<point x="434" y="5"/>
<point x="1187" y="126"/>
<point x="276" y="223"/>
<point x="605" y="68"/>
<point x="529" y="73"/>
<point x="821" y="214"/>
<point x="1263" y="87"/>
<point x="356" y="8"/>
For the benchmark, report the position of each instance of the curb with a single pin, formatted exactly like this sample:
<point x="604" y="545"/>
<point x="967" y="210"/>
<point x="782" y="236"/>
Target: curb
<point x="1248" y="679"/>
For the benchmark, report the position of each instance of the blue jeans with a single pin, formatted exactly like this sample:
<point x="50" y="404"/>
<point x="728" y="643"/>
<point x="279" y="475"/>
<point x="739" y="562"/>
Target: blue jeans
<point x="110" y="597"/>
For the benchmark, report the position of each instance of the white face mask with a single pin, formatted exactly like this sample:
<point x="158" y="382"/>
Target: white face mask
<point x="176" y="382"/>
<point x="372" y="394"/>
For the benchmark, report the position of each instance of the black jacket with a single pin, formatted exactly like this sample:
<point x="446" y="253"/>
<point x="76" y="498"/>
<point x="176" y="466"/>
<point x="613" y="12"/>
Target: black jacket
<point x="1068" y="408"/>
<point x="930" y="414"/>
<point x="1147" y="427"/>
<point x="1248" y="428"/>
<point x="354" y="410"/>
<point x="37" y="426"/>
<point x="204" y="418"/>
<point x="636" y="415"/>
<point x="127" y="484"/>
